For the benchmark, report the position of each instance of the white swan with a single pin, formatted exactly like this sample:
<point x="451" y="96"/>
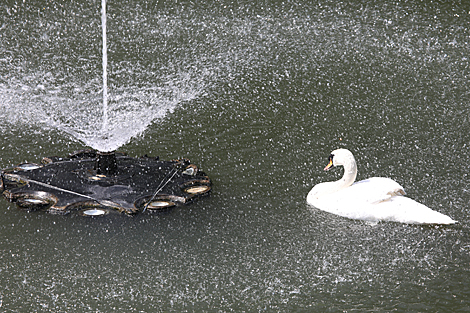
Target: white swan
<point x="374" y="199"/>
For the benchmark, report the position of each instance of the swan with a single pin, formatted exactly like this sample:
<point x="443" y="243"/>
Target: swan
<point x="374" y="199"/>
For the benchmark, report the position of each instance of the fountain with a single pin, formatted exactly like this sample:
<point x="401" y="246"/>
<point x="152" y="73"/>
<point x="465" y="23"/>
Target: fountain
<point x="96" y="182"/>
<point x="88" y="181"/>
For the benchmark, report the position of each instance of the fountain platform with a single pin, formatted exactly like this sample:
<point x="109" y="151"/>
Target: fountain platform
<point x="93" y="183"/>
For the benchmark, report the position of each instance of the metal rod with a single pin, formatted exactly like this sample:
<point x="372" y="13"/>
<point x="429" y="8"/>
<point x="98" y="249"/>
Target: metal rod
<point x="50" y="186"/>
<point x="160" y="187"/>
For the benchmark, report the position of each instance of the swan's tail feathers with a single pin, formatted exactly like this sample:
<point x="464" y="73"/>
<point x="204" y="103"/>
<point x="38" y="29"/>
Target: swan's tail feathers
<point x="406" y="210"/>
<point x="438" y="218"/>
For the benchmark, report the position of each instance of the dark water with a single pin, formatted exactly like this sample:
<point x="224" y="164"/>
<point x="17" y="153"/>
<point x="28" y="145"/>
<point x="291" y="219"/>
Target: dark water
<point x="257" y="94"/>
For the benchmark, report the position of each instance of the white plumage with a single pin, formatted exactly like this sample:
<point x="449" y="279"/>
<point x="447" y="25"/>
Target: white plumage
<point x="374" y="199"/>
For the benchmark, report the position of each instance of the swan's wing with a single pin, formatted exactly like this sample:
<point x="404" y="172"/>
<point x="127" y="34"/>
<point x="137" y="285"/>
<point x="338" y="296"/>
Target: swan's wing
<point x="347" y="204"/>
<point x="374" y="190"/>
<point x="366" y="192"/>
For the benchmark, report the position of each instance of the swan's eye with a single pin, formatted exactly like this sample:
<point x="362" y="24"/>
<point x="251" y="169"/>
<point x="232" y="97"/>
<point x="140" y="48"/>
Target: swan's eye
<point x="330" y="158"/>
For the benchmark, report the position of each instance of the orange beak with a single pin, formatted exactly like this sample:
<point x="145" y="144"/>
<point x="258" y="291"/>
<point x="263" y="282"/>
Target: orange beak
<point x="330" y="165"/>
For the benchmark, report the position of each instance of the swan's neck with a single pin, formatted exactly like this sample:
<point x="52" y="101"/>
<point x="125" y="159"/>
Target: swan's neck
<point x="349" y="176"/>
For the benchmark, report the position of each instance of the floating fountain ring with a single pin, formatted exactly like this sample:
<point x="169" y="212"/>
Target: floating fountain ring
<point x="32" y="200"/>
<point x="95" y="184"/>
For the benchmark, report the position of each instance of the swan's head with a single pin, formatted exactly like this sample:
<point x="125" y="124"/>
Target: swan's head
<point x="339" y="157"/>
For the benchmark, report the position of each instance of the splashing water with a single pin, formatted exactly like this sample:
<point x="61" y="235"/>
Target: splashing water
<point x="59" y="93"/>
<point x="78" y="112"/>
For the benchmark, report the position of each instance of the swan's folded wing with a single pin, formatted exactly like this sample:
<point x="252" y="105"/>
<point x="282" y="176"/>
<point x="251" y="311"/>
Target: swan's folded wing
<point x="375" y="190"/>
<point x="365" y="192"/>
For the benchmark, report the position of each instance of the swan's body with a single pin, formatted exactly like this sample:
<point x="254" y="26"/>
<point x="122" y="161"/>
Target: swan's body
<point x="374" y="199"/>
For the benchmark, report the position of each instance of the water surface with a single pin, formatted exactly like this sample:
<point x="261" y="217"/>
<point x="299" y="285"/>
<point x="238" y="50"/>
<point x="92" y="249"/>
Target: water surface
<point x="257" y="95"/>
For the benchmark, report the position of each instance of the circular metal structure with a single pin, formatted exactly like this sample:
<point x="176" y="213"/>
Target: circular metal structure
<point x="94" y="184"/>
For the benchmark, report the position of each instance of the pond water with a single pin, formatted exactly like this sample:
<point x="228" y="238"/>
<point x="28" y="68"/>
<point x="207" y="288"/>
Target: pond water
<point x="258" y="95"/>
